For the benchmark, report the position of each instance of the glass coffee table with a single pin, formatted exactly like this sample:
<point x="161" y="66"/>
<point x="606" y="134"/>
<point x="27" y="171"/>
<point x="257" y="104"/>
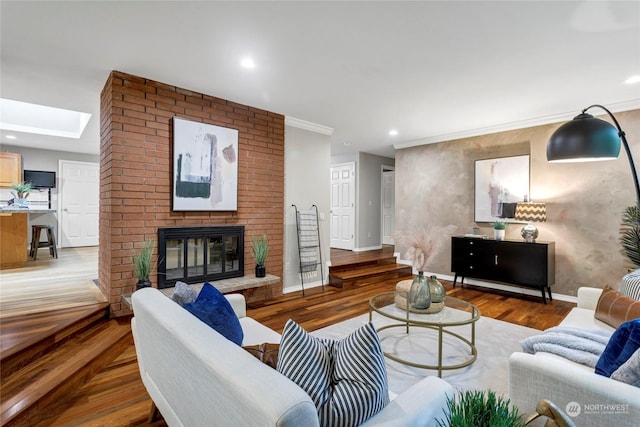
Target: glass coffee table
<point x="456" y="312"/>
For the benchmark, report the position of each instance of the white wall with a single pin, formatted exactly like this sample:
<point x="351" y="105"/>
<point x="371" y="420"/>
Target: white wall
<point x="307" y="162"/>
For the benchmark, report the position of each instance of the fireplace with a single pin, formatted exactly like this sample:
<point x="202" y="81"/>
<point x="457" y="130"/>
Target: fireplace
<point x="199" y="254"/>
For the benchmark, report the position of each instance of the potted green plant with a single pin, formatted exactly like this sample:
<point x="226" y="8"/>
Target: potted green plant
<point x="142" y="265"/>
<point x="21" y="192"/>
<point x="472" y="408"/>
<point x="260" y="250"/>
<point x="630" y="234"/>
<point x="499" y="229"/>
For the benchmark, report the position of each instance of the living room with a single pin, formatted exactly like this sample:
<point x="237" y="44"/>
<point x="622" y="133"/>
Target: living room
<point x="434" y="174"/>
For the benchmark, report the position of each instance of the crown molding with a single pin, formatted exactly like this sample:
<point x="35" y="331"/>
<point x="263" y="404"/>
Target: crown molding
<point x="521" y="124"/>
<point x="303" y="124"/>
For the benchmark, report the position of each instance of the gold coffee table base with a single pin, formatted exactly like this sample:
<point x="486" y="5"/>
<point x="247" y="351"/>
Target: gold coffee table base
<point x="440" y="367"/>
<point x="455" y="313"/>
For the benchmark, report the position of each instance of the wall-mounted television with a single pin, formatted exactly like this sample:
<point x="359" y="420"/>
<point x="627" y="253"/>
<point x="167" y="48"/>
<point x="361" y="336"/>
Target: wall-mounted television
<point x="40" y="179"/>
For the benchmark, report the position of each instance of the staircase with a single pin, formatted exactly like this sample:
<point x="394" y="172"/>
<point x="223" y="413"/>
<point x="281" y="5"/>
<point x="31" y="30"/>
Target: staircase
<point x="368" y="267"/>
<point x="42" y="370"/>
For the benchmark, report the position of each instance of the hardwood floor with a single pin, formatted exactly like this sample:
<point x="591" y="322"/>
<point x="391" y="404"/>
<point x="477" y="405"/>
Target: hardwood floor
<point x="51" y="283"/>
<point x="116" y="396"/>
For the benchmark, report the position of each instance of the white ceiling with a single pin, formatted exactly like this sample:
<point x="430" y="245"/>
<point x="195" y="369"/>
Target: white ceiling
<point x="432" y="70"/>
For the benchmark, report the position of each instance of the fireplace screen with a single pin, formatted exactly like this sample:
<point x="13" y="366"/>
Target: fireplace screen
<point x="199" y="254"/>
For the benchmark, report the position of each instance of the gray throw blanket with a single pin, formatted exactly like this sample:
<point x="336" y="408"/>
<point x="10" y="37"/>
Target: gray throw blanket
<point x="578" y="345"/>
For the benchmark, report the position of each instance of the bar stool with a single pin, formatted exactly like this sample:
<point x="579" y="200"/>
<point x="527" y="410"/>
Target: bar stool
<point x="36" y="243"/>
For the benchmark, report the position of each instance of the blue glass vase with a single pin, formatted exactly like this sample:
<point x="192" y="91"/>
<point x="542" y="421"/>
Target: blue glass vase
<point x="419" y="293"/>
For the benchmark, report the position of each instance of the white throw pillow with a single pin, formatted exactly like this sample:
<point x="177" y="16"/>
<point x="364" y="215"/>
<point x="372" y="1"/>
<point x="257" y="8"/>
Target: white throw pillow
<point x="346" y="379"/>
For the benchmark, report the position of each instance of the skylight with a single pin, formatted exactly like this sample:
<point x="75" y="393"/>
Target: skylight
<point x="32" y="118"/>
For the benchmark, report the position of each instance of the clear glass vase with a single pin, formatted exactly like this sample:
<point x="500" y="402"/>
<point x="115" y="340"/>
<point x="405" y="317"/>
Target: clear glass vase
<point x="419" y="293"/>
<point x="437" y="290"/>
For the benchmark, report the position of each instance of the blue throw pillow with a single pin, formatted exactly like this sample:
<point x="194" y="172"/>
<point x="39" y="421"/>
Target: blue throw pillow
<point x="214" y="309"/>
<point x="622" y="344"/>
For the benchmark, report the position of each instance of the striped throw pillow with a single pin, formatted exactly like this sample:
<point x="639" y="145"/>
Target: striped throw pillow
<point x="346" y="379"/>
<point x="630" y="285"/>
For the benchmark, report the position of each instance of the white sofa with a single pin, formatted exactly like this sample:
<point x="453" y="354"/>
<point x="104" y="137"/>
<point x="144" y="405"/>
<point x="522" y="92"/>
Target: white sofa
<point x="196" y="377"/>
<point x="546" y="376"/>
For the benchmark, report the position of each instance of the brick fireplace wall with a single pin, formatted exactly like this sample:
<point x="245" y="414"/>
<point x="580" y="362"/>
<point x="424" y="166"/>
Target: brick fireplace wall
<point x="136" y="176"/>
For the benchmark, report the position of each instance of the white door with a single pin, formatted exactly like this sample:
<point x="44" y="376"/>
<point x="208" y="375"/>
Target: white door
<point x="79" y="204"/>
<point x="388" y="206"/>
<point x="342" y="223"/>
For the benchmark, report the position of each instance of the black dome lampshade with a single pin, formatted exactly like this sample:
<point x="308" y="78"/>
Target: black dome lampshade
<point x="586" y="138"/>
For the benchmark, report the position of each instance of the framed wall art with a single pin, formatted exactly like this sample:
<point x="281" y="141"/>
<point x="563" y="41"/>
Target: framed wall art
<point x="205" y="167"/>
<point x="500" y="183"/>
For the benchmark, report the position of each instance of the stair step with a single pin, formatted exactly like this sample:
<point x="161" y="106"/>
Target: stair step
<point x="26" y="338"/>
<point x="41" y="387"/>
<point x="362" y="274"/>
<point x="359" y="265"/>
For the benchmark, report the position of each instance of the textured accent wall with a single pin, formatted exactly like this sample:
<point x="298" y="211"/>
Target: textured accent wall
<point x="435" y="186"/>
<point x="136" y="175"/>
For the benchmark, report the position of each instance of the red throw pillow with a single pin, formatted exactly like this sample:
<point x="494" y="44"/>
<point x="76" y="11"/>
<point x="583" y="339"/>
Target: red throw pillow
<point x="614" y="308"/>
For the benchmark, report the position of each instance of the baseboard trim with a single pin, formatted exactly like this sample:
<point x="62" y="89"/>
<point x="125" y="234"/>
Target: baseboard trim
<point x="497" y="286"/>
<point x="512" y="289"/>
<point x="370" y="248"/>
<point x="296" y="288"/>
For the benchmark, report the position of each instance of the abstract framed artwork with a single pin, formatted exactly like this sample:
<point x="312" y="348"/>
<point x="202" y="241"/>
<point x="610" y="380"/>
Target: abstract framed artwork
<point x="205" y="167"/>
<point x="500" y="183"/>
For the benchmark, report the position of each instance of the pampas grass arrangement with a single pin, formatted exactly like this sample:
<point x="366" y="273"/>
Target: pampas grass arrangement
<point x="423" y="244"/>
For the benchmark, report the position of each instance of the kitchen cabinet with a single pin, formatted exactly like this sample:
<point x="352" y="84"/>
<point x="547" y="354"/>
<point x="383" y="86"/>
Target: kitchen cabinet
<point x="10" y="169"/>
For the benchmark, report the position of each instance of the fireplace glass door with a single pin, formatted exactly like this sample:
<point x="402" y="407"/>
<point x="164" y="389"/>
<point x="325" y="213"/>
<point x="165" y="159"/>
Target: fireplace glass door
<point x="199" y="254"/>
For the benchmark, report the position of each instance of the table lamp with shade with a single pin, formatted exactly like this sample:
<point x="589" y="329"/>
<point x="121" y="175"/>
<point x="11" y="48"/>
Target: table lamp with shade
<point x="530" y="212"/>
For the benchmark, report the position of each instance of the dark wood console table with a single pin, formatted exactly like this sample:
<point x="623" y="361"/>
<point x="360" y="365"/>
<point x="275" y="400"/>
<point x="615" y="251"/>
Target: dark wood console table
<point x="530" y="265"/>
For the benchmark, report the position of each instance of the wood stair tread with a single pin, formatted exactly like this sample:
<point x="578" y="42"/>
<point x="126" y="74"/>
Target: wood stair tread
<point x="362" y="264"/>
<point x="369" y="270"/>
<point x="72" y="320"/>
<point x="67" y="367"/>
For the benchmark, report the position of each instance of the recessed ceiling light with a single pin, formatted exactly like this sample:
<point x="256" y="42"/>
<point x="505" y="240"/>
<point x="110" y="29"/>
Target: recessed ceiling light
<point x="40" y="119"/>
<point x="347" y="143"/>
<point x="393" y="132"/>
<point x="248" y="63"/>
<point x="633" y="79"/>
<point x="10" y="136"/>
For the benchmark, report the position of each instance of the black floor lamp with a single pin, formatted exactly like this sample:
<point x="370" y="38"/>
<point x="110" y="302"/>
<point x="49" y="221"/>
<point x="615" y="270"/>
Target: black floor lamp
<point x="586" y="138"/>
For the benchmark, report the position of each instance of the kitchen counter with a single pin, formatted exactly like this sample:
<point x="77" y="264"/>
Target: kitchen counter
<point x="13" y="235"/>
<point x="10" y="210"/>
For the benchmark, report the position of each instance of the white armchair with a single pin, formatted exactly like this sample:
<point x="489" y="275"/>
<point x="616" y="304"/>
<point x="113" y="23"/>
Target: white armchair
<point x="590" y="399"/>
